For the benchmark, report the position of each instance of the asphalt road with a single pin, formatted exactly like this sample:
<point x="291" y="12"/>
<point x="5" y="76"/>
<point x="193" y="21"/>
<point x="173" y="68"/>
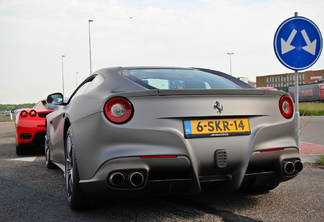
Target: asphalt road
<point x="312" y="129"/>
<point x="31" y="192"/>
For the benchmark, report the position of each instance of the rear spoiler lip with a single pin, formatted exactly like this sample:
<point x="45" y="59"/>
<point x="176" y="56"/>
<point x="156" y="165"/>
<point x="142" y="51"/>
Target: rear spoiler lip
<point x="218" y="92"/>
<point x="208" y="92"/>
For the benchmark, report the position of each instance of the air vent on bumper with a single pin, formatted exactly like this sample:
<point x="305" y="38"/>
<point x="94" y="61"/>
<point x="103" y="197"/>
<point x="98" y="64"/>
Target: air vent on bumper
<point x="220" y="159"/>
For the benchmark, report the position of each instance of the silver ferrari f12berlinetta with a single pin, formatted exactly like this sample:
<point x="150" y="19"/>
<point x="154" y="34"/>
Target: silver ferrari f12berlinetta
<point x="127" y="131"/>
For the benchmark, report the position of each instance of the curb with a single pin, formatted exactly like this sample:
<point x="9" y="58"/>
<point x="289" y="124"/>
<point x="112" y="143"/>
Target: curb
<point x="309" y="158"/>
<point x="310" y="151"/>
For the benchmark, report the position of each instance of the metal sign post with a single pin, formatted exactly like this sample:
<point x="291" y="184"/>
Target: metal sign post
<point x="297" y="125"/>
<point x="297" y="104"/>
<point x="298" y="44"/>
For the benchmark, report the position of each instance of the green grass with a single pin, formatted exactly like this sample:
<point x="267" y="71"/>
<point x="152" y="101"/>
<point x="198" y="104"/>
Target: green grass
<point x="311" y="109"/>
<point x="5" y="117"/>
<point x="320" y="159"/>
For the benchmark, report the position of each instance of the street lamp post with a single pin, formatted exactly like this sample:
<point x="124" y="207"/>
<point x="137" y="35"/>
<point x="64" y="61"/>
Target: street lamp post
<point x="230" y="54"/>
<point x="63" y="75"/>
<point x="90" y="46"/>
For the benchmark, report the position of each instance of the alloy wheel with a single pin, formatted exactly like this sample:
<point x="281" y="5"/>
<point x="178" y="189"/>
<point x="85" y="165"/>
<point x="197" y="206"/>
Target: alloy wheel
<point x="69" y="167"/>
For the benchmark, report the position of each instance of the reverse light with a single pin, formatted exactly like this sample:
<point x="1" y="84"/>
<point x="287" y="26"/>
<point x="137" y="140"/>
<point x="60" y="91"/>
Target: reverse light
<point x="286" y="107"/>
<point x="118" y="110"/>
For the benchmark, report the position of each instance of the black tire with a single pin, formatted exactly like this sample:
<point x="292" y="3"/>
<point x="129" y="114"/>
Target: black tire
<point x="76" y="197"/>
<point x="19" y="151"/>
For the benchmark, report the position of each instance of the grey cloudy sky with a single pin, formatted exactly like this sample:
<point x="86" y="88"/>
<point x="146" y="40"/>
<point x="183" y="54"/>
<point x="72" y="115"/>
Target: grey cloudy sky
<point x="186" y="33"/>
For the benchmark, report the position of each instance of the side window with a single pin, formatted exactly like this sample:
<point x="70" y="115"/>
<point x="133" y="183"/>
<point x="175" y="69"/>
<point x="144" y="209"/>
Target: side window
<point x="88" y="86"/>
<point x="81" y="90"/>
<point x="94" y="83"/>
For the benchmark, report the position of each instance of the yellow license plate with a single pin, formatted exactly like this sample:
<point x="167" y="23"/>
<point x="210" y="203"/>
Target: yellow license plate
<point x="216" y="127"/>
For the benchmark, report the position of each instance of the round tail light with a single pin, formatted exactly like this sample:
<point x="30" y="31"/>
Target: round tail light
<point x="286" y="107"/>
<point x="24" y="113"/>
<point x="32" y="113"/>
<point x="118" y="110"/>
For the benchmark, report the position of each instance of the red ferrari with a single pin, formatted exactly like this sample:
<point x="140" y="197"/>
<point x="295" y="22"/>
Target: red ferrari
<point x="30" y="127"/>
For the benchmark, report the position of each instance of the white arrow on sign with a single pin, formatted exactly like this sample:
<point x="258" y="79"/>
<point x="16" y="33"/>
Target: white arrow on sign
<point x="285" y="46"/>
<point x="311" y="46"/>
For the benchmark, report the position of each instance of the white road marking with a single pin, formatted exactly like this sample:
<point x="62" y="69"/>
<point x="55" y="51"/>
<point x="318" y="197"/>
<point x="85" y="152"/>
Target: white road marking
<point x="26" y="159"/>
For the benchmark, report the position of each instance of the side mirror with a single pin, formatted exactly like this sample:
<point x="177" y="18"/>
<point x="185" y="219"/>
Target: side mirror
<point x="55" y="99"/>
<point x="14" y="110"/>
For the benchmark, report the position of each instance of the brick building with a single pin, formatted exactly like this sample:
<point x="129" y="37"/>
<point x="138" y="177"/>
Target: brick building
<point x="288" y="79"/>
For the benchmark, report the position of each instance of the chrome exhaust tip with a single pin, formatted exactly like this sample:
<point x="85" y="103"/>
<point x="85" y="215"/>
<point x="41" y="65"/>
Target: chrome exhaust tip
<point x="116" y="179"/>
<point x="289" y="168"/>
<point x="298" y="166"/>
<point x="136" y="179"/>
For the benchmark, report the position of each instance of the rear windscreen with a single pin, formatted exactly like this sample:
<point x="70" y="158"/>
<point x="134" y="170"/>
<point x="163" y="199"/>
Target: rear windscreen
<point x="179" y="79"/>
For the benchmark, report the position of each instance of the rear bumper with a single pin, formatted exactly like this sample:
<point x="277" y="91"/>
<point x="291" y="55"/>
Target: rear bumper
<point x="271" y="167"/>
<point x="164" y="176"/>
<point x="160" y="176"/>
<point x="37" y="140"/>
<point x="110" y="151"/>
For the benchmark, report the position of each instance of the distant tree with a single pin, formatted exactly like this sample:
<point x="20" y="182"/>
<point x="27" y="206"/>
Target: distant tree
<point x="8" y="107"/>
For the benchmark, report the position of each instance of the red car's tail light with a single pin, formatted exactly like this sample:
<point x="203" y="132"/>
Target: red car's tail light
<point x="118" y="110"/>
<point x="32" y="113"/>
<point x="286" y="107"/>
<point x="24" y="113"/>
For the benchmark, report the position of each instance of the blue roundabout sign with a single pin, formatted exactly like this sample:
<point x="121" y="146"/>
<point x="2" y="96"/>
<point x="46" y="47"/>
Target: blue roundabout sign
<point x="298" y="43"/>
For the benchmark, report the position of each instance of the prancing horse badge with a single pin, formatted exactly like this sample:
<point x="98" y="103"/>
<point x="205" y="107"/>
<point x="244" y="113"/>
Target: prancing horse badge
<point x="218" y="107"/>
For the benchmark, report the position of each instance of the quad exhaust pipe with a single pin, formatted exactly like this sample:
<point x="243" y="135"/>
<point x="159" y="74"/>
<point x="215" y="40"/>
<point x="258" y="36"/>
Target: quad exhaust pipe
<point x="291" y="167"/>
<point x="25" y="136"/>
<point x="136" y="179"/>
<point x="118" y="179"/>
<point x="298" y="166"/>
